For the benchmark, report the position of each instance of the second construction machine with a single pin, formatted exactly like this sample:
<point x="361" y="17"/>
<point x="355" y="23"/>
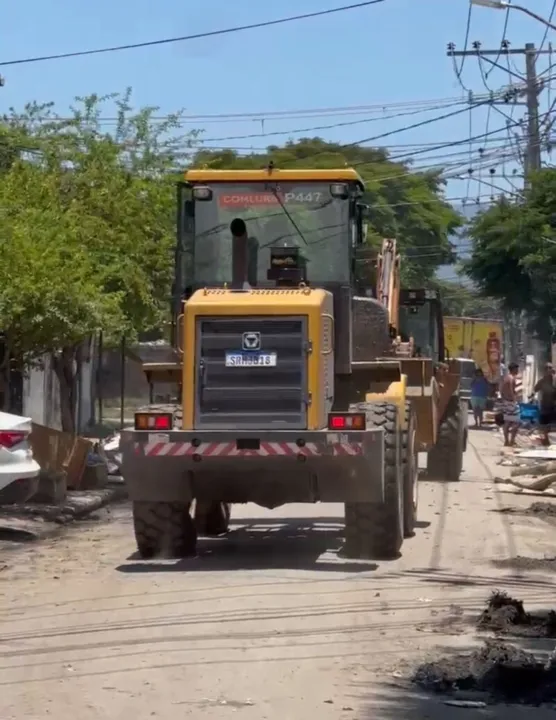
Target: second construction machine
<point x="294" y="388"/>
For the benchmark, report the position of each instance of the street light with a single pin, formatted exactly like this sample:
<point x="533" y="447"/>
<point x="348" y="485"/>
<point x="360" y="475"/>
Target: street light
<point x="505" y="5"/>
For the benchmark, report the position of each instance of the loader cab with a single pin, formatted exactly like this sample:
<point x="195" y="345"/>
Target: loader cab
<point x="316" y="214"/>
<point x="315" y="218"/>
<point x="420" y="317"/>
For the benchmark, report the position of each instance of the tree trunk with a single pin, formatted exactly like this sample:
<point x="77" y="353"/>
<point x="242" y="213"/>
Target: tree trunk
<point x="63" y="364"/>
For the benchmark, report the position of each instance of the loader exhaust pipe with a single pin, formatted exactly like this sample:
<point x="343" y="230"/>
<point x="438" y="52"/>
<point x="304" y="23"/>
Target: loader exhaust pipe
<point x="239" y="253"/>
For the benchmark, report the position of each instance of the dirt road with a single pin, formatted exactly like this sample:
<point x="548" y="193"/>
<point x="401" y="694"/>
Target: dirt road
<point x="268" y="623"/>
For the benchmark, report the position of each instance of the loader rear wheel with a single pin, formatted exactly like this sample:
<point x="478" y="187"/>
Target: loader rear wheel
<point x="410" y="471"/>
<point x="374" y="531"/>
<point x="164" y="529"/>
<point x="445" y="459"/>
<point x="212" y="518"/>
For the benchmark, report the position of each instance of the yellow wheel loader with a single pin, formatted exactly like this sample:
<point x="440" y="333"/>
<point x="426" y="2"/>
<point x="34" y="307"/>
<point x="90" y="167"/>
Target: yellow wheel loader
<point x="293" y="388"/>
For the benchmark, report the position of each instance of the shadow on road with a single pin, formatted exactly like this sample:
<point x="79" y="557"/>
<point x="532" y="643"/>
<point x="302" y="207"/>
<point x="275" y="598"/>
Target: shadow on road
<point x="263" y="543"/>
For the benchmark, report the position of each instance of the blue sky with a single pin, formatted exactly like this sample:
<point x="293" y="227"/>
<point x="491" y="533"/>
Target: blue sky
<point x="383" y="54"/>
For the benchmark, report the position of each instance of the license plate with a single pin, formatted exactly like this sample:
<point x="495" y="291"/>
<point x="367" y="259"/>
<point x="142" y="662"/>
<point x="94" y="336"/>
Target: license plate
<point x="251" y="359"/>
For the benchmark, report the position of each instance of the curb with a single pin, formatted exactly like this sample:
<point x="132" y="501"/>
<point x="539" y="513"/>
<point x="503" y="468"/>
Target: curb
<point x="31" y="523"/>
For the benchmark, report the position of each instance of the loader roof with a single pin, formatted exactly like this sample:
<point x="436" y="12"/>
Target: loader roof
<point x="202" y="175"/>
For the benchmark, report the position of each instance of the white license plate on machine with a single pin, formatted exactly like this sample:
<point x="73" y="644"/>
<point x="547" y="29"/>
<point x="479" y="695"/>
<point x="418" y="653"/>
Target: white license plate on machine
<point x="253" y="359"/>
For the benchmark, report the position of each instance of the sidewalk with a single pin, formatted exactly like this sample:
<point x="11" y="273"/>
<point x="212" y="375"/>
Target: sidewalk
<point x="36" y="521"/>
<point x="498" y="463"/>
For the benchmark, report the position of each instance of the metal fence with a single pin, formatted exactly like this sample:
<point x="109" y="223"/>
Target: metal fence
<point x="122" y="387"/>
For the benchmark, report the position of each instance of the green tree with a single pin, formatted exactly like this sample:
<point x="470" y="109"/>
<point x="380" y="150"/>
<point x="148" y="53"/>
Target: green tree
<point x="514" y="253"/>
<point x="461" y="301"/>
<point x="87" y="229"/>
<point x="406" y="205"/>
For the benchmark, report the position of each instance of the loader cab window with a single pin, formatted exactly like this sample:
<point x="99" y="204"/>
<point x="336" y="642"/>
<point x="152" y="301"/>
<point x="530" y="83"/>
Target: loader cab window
<point x="420" y="322"/>
<point x="306" y="216"/>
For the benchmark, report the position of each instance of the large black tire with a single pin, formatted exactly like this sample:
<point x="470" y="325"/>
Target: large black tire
<point x="164" y="529"/>
<point x="410" y="472"/>
<point x="374" y="531"/>
<point x="445" y="459"/>
<point x="212" y="518"/>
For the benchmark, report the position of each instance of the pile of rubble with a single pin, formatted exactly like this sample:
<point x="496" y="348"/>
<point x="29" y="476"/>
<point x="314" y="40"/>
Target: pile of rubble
<point x="499" y="670"/>
<point x="506" y="615"/>
<point x="533" y="469"/>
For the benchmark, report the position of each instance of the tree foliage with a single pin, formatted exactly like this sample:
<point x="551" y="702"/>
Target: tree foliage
<point x="462" y="301"/>
<point x="87" y="221"/>
<point x="514" y="252"/>
<point x="408" y="206"/>
<point x="87" y="218"/>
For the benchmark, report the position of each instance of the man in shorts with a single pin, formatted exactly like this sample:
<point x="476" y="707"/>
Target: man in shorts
<point x="547" y="402"/>
<point x="510" y="406"/>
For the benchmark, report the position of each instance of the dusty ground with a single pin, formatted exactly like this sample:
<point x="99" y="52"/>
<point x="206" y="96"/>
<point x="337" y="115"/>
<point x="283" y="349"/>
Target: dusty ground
<point x="268" y="623"/>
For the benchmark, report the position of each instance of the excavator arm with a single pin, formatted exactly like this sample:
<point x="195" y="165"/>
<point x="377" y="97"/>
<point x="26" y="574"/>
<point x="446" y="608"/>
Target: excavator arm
<point x="388" y="293"/>
<point x="388" y="281"/>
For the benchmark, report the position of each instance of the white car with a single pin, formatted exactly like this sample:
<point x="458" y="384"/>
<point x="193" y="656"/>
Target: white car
<point x="19" y="473"/>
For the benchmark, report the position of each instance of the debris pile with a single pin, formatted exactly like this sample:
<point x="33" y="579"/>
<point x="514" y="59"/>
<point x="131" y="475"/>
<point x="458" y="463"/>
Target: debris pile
<point x="504" y="672"/>
<point x="541" y="508"/>
<point x="506" y="615"/>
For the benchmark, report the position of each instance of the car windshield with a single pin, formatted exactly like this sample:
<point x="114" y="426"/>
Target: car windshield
<point x="302" y="215"/>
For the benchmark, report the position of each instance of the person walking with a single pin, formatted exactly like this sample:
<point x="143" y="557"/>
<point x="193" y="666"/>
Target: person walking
<point x="480" y="390"/>
<point x="510" y="405"/>
<point x="546" y="389"/>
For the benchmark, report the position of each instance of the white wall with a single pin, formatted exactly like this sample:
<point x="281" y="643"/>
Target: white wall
<point x="41" y="395"/>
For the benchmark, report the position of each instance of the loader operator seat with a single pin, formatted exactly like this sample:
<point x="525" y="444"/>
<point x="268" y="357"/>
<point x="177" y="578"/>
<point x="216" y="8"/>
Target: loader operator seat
<point x="279" y="232"/>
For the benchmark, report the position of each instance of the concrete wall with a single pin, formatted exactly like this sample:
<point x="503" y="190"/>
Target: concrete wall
<point x="41" y="395"/>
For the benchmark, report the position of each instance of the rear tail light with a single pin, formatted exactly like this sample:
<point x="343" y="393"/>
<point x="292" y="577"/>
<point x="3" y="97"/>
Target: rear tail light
<point x="347" y="421"/>
<point x="11" y="438"/>
<point x="154" y="421"/>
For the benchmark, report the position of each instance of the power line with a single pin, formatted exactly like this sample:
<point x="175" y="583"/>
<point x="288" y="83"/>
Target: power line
<point x="195" y="36"/>
<point x="465" y="45"/>
<point x="348" y="123"/>
<point x="452" y="143"/>
<point x="424" y="146"/>
<point x="545" y="36"/>
<point x="422" y="123"/>
<point x="502" y="42"/>
<point x="282" y="114"/>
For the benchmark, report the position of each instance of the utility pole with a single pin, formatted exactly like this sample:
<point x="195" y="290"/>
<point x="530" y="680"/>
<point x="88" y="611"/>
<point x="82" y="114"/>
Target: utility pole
<point x="533" y="88"/>
<point x="531" y="92"/>
<point x="533" y="154"/>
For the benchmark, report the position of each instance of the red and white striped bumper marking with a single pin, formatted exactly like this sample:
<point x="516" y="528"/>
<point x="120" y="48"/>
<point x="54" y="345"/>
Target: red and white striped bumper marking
<point x="228" y="449"/>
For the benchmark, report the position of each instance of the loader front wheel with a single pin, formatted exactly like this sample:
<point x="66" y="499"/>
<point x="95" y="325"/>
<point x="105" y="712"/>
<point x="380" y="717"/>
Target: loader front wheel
<point x="445" y="459"/>
<point x="212" y="518"/>
<point x="410" y="471"/>
<point x="374" y="531"/>
<point x="164" y="529"/>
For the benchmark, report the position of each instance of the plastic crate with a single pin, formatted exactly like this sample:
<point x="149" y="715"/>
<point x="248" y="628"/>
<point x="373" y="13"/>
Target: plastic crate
<point x="529" y="412"/>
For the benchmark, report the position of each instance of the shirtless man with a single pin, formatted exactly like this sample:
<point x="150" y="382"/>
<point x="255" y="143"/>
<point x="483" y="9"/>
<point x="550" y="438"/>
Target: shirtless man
<point x="510" y="406"/>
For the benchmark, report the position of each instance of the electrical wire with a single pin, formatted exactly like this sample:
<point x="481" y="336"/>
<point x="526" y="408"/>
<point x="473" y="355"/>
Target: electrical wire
<point x="427" y="148"/>
<point x="471" y="144"/>
<point x="547" y="29"/>
<point x="502" y="41"/>
<point x="348" y="123"/>
<point x="278" y="115"/>
<point x="465" y="46"/>
<point x="493" y="106"/>
<point x="413" y="126"/>
<point x="391" y="146"/>
<point x="195" y="36"/>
